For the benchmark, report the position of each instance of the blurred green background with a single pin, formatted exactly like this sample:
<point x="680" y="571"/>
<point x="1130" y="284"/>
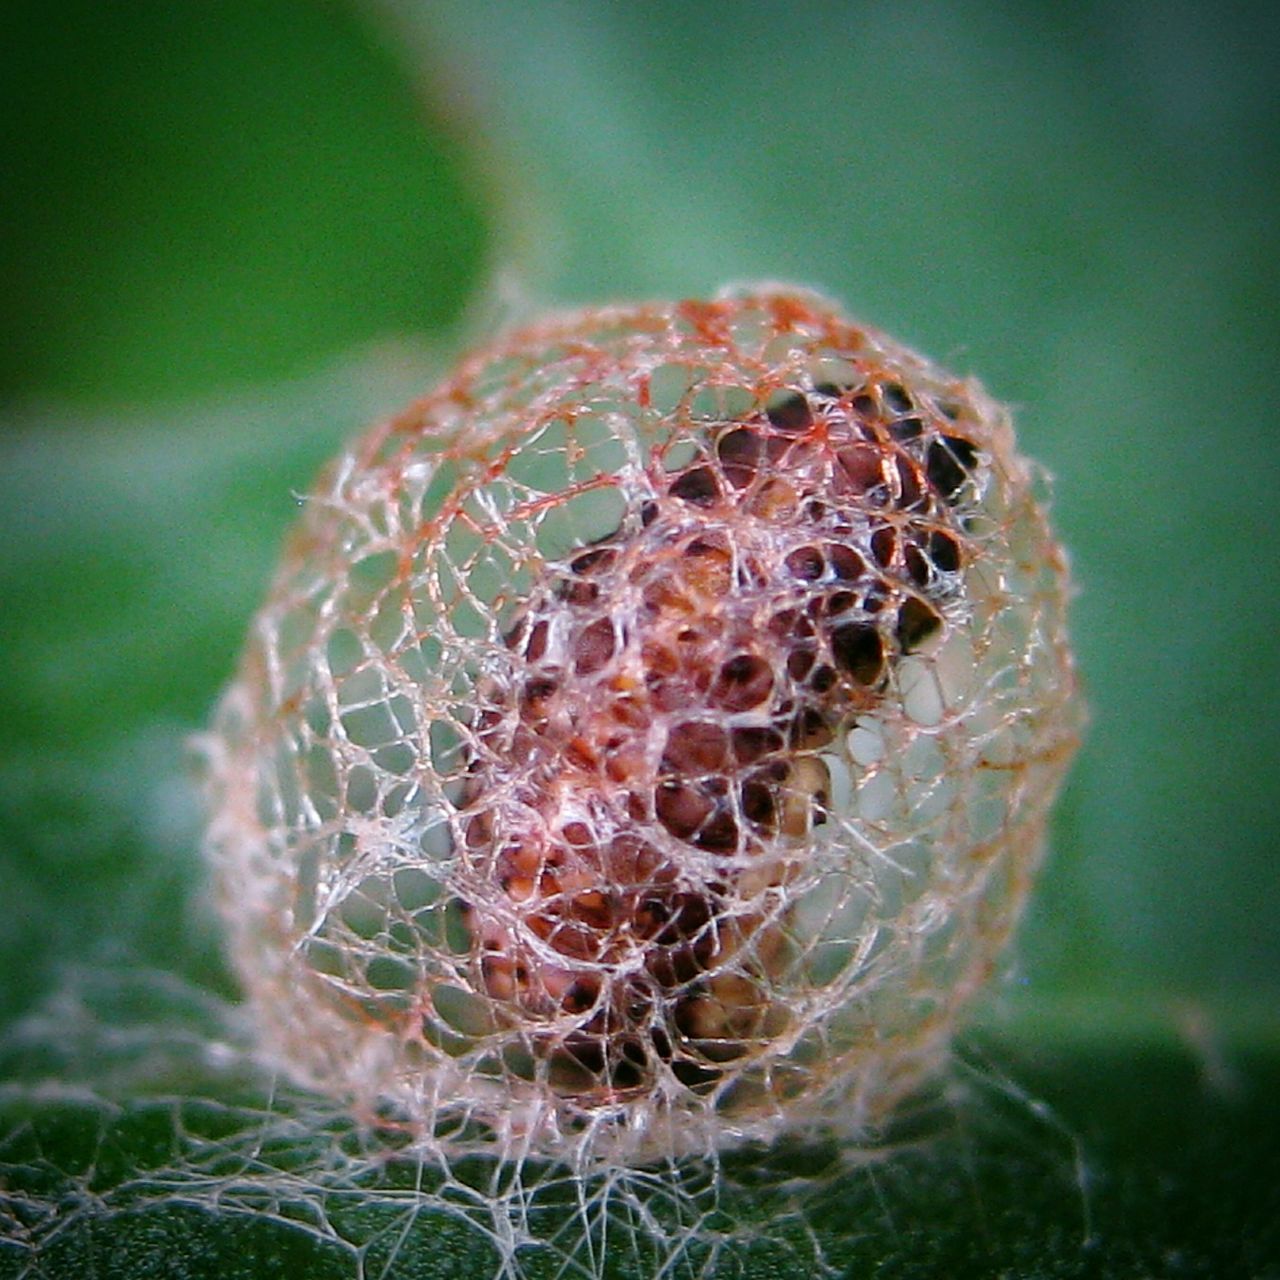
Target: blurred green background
<point x="233" y="233"/>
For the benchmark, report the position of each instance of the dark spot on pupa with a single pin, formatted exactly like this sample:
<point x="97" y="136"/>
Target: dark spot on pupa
<point x="884" y="545"/>
<point x="917" y="565"/>
<point x="596" y="558"/>
<point x="697" y="486"/>
<point x="753" y="741"/>
<point x="741" y="453"/>
<point x="629" y="1069"/>
<point x="695" y="746"/>
<point x="828" y="390"/>
<point x="861" y="464"/>
<point x="681" y="808"/>
<point x="910" y="481"/>
<point x="577" y="833"/>
<point x="948" y="463"/>
<point x="719" y="833"/>
<point x="757" y="799"/>
<point x="810" y="729"/>
<point x="860" y="651"/>
<point x="896" y="397"/>
<point x="906" y="429"/>
<point x="782" y="622"/>
<point x="918" y="623"/>
<point x="876" y="595"/>
<point x="713" y="546"/>
<point x="790" y="413"/>
<point x="743" y="682"/>
<point x="536" y="648"/>
<point x="694" y="1076"/>
<point x="593" y="646"/>
<point x="535" y="694"/>
<point x="587" y="1052"/>
<point x="944" y="551"/>
<point x="594" y="909"/>
<point x="805" y="563"/>
<point x="800" y="663"/>
<point x="823" y="679"/>
<point x="514" y="633"/>
<point x="651" y="915"/>
<point x="580" y="592"/>
<point x="845" y="562"/>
